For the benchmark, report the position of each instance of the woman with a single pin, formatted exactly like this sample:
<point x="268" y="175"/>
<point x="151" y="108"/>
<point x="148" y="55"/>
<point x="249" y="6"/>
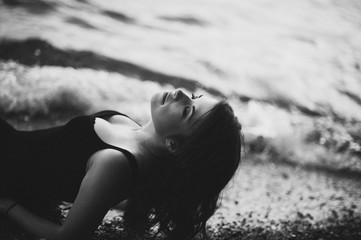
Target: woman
<point x="171" y="170"/>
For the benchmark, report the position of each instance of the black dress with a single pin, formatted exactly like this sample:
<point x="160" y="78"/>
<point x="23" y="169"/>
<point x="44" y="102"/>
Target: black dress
<point x="43" y="166"/>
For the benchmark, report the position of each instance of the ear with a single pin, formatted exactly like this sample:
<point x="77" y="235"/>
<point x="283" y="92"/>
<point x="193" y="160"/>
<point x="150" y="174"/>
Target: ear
<point x="172" y="144"/>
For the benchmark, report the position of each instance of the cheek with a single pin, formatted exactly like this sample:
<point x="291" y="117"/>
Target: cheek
<point x="165" y="121"/>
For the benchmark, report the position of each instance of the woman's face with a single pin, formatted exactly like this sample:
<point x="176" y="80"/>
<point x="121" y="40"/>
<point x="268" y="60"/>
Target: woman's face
<point x="174" y="113"/>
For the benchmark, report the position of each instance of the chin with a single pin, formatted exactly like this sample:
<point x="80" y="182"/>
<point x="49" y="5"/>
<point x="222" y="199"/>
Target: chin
<point x="155" y="103"/>
<point x="156" y="100"/>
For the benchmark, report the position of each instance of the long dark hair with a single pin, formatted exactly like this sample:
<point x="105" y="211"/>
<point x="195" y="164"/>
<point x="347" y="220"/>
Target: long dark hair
<point x="181" y="194"/>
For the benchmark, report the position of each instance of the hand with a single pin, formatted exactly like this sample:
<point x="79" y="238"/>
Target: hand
<point x="5" y="203"/>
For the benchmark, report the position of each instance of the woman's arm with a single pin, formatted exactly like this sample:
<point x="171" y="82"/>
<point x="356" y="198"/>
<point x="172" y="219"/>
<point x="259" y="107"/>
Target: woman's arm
<point x="27" y="220"/>
<point x="106" y="182"/>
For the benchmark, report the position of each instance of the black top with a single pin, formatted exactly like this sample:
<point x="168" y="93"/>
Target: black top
<point x="50" y="164"/>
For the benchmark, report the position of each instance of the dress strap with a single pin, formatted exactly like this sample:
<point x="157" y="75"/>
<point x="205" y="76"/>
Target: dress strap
<point x="5" y="127"/>
<point x="108" y="113"/>
<point x="132" y="161"/>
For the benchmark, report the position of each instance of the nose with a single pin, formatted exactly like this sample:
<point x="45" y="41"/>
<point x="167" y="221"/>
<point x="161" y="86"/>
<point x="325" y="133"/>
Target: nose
<point x="178" y="94"/>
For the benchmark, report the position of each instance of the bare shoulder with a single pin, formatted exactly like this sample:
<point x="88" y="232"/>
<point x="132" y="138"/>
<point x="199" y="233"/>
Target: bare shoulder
<point x="110" y="163"/>
<point x="109" y="158"/>
<point x="106" y="183"/>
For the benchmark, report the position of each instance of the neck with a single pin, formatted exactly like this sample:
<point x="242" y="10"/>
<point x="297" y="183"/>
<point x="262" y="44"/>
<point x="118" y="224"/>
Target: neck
<point x="150" y="141"/>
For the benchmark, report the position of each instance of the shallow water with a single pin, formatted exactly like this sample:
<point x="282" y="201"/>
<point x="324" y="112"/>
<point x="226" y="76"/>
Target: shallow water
<point x="291" y="69"/>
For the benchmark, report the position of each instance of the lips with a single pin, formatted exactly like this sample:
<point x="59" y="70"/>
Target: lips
<point x="164" y="97"/>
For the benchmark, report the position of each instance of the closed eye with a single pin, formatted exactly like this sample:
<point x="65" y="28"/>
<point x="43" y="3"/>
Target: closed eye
<point x="193" y="97"/>
<point x="193" y="111"/>
<point x="186" y="111"/>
